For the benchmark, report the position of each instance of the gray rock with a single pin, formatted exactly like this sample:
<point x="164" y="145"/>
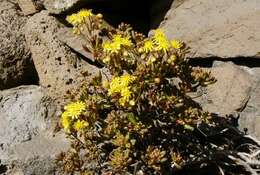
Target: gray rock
<point x="16" y="67"/>
<point x="61" y="6"/>
<point x="75" y="42"/>
<point x="28" y="6"/>
<point x="177" y="3"/>
<point x="221" y="28"/>
<point x="231" y="91"/>
<point x="23" y="113"/>
<point x="59" y="69"/>
<point x="27" y="143"/>
<point x="250" y="116"/>
<point x="38" y="155"/>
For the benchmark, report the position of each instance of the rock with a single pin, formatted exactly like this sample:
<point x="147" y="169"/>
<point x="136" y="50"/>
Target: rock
<point x="26" y="138"/>
<point x="177" y="3"/>
<point x="59" y="69"/>
<point x="250" y="116"/>
<point x="28" y="7"/>
<point x="16" y="67"/>
<point x="231" y="91"/>
<point x="61" y="6"/>
<point x="223" y="29"/>
<point x="38" y="155"/>
<point x="23" y="112"/>
<point x="75" y="42"/>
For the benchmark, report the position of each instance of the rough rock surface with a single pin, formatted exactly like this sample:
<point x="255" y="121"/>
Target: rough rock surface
<point x="36" y="156"/>
<point x="61" y="6"/>
<point x="250" y="116"/>
<point x="26" y="137"/>
<point x="59" y="69"/>
<point x="221" y="28"/>
<point x="23" y="112"/>
<point x="75" y="42"/>
<point x="230" y="93"/>
<point x="16" y="67"/>
<point x="27" y="6"/>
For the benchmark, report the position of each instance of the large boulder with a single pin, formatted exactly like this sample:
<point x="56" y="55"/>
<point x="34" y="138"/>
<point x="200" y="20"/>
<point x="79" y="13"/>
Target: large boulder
<point x="16" y="67"/>
<point x="59" y="69"/>
<point x="230" y="93"/>
<point x="75" y="42"/>
<point x="27" y="120"/>
<point x="23" y="113"/>
<point x="220" y="28"/>
<point x="250" y="116"/>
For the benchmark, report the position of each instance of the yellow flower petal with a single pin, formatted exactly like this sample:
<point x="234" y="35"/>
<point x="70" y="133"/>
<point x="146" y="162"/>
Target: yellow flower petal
<point x="79" y="18"/>
<point x="74" y="110"/>
<point x="80" y="124"/>
<point x="66" y="121"/>
<point x="161" y="41"/>
<point x="148" y="46"/>
<point x="176" y="44"/>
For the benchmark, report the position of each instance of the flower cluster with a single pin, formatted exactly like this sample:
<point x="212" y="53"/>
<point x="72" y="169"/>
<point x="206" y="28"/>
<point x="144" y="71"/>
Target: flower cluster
<point x="133" y="121"/>
<point x="71" y="117"/>
<point x="159" y="42"/>
<point x="79" y="18"/>
<point x="121" y="85"/>
<point x="117" y="42"/>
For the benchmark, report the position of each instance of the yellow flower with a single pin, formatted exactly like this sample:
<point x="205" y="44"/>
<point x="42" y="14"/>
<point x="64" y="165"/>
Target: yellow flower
<point x="161" y="41"/>
<point x="85" y="13"/>
<point x="115" y="86"/>
<point x="163" y="45"/>
<point x="121" y="85"/>
<point x="148" y="46"/>
<point x="158" y="33"/>
<point x="176" y="44"/>
<point x="125" y="96"/>
<point x="127" y="79"/>
<point x="74" y="110"/>
<point x="66" y="121"/>
<point x="125" y="41"/>
<point x="80" y="124"/>
<point x="111" y="47"/>
<point x="79" y="18"/>
<point x="117" y="42"/>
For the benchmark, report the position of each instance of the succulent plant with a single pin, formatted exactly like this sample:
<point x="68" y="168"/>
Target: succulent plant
<point x="139" y="120"/>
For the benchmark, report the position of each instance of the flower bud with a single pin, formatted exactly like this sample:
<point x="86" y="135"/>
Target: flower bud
<point x="140" y="50"/>
<point x="99" y="15"/>
<point x="125" y="53"/>
<point x="153" y="59"/>
<point x="132" y="102"/>
<point x="157" y="80"/>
